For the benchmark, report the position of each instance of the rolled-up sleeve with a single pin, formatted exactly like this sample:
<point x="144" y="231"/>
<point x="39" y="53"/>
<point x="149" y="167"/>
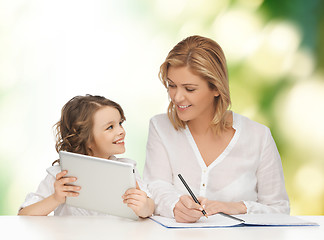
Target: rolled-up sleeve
<point x="44" y="190"/>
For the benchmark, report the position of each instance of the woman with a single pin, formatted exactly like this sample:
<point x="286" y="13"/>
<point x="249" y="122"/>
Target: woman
<point x="229" y="161"/>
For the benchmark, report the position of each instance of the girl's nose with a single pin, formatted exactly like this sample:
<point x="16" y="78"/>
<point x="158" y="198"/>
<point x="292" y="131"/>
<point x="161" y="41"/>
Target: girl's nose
<point x="122" y="131"/>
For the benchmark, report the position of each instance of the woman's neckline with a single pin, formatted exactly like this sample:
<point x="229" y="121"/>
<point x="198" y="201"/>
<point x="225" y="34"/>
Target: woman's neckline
<point x="227" y="150"/>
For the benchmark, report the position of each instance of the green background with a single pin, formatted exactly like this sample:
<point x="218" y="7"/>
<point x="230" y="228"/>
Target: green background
<point x="54" y="50"/>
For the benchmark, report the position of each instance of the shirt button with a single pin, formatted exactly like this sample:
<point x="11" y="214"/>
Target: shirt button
<point x="203" y="184"/>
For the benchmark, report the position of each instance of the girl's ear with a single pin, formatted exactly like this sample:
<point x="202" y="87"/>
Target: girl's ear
<point x="89" y="149"/>
<point x="90" y="152"/>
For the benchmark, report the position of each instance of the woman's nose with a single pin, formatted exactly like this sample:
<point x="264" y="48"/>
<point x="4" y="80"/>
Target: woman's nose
<point x="178" y="96"/>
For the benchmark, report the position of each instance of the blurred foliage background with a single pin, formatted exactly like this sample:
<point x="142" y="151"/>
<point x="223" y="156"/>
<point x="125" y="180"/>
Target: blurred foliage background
<point x="54" y="50"/>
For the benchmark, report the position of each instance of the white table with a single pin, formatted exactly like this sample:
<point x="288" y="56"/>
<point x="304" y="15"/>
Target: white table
<point x="94" y="228"/>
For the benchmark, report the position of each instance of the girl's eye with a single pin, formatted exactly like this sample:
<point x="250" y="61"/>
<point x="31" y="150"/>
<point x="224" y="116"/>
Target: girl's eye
<point x="121" y="123"/>
<point x="110" y="127"/>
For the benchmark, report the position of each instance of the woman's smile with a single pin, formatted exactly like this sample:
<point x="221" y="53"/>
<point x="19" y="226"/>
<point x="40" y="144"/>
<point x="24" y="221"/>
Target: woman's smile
<point x="183" y="107"/>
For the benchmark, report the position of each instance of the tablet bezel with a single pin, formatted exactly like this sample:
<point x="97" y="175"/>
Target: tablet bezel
<point x="93" y="174"/>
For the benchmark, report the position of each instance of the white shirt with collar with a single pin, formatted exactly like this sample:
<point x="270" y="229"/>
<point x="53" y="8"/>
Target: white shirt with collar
<point x="46" y="188"/>
<point x="248" y="170"/>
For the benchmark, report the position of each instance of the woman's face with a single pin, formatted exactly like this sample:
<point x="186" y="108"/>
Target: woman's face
<point x="190" y="94"/>
<point x="108" y="133"/>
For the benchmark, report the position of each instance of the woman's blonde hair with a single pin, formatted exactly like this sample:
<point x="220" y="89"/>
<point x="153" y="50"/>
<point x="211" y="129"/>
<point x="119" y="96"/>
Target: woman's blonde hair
<point x="205" y="58"/>
<point x="75" y="128"/>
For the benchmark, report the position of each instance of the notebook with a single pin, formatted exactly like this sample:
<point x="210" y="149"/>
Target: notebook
<point x="217" y="221"/>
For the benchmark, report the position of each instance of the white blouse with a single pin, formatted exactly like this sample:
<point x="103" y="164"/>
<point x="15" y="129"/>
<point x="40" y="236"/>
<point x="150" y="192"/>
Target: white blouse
<point x="248" y="170"/>
<point x="46" y="188"/>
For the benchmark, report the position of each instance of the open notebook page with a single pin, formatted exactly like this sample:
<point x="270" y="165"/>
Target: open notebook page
<point x="218" y="220"/>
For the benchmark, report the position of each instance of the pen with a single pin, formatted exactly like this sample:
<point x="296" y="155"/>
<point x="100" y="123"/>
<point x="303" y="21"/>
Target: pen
<point x="191" y="193"/>
<point x="196" y="200"/>
<point x="230" y="216"/>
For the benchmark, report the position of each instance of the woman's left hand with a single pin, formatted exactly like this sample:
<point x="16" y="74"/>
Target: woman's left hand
<point x="232" y="208"/>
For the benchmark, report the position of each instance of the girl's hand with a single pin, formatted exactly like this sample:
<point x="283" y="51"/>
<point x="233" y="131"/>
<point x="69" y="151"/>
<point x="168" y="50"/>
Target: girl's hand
<point x="63" y="187"/>
<point x="232" y="208"/>
<point x="187" y="210"/>
<point x="138" y="201"/>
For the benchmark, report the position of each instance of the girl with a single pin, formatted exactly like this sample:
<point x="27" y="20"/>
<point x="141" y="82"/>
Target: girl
<point x="231" y="162"/>
<point x="90" y="125"/>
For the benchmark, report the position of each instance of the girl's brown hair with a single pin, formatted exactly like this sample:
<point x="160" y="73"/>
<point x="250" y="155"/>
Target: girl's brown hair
<point x="205" y="58"/>
<point x="74" y="129"/>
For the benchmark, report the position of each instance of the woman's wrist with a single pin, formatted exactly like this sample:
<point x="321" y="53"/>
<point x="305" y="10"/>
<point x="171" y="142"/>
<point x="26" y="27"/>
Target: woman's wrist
<point x="241" y="208"/>
<point x="236" y="208"/>
<point x="232" y="208"/>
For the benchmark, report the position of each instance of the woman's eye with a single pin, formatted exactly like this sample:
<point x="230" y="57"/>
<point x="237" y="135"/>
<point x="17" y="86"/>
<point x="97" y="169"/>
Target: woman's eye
<point x="171" y="85"/>
<point x="190" y="89"/>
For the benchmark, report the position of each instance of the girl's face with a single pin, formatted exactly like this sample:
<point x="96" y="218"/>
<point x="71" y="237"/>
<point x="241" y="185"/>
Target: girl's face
<point x="108" y="133"/>
<point x="190" y="94"/>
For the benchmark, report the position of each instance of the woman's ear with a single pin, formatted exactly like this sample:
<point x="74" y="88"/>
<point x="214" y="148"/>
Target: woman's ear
<point x="216" y="93"/>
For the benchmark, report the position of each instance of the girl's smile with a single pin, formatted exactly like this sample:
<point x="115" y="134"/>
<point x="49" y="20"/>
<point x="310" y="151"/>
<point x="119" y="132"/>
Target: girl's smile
<point x="108" y="133"/>
<point x="120" y="141"/>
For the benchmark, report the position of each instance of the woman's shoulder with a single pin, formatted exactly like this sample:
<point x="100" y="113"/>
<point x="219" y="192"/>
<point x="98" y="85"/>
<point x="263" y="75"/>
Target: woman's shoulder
<point x="160" y="119"/>
<point x="163" y="126"/>
<point x="249" y="125"/>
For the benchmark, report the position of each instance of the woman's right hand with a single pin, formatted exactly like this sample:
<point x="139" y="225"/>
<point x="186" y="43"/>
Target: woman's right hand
<point x="187" y="211"/>
<point x="64" y="188"/>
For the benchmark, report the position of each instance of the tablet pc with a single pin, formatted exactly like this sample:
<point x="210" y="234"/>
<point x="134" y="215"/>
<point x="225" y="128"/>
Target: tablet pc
<point x="102" y="182"/>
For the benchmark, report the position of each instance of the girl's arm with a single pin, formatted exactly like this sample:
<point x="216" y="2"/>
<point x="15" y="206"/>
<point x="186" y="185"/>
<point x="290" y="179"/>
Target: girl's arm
<point x="42" y="208"/>
<point x="49" y="204"/>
